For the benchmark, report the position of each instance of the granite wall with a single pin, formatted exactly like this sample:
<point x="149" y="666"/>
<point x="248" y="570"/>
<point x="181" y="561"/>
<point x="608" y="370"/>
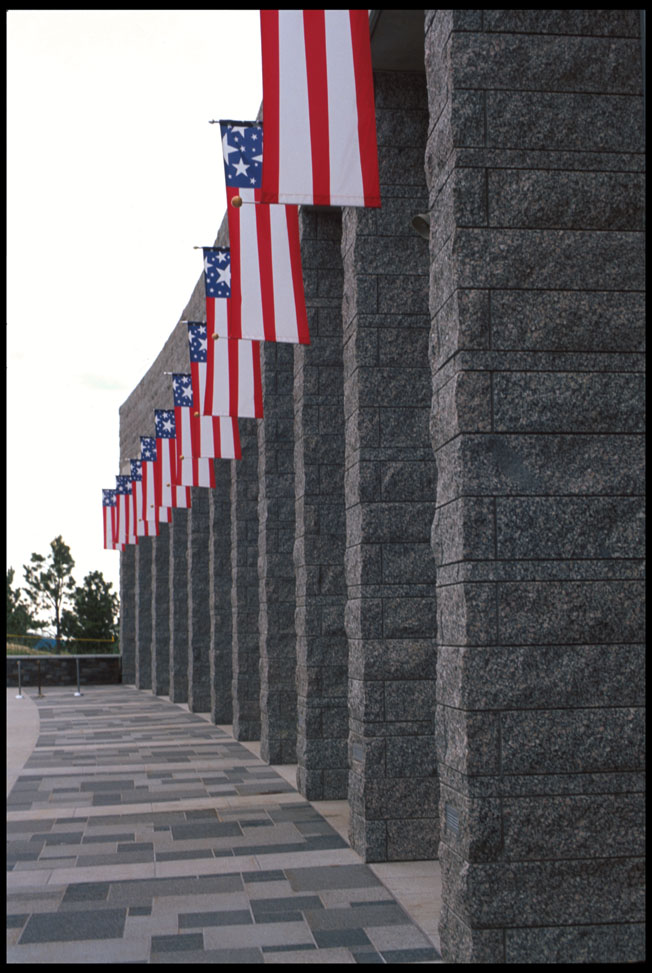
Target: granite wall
<point x="61" y="670"/>
<point x="534" y="171"/>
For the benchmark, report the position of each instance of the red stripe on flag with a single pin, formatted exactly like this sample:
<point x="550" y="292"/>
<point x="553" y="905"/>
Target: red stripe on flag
<point x="258" y="385"/>
<point x="292" y="218"/>
<point x="314" y="28"/>
<point x="264" y="239"/>
<point x="233" y="350"/>
<point x="364" y="93"/>
<point x="271" y="81"/>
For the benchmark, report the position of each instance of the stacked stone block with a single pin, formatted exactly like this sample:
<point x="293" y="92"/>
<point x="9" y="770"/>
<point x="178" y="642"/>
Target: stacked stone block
<point x="389" y="496"/>
<point x="199" y="624"/>
<point x="277" y="599"/>
<point x="244" y="589"/>
<point x="534" y="172"/>
<point x="322" y="651"/>
<point x="128" y="614"/>
<point x="160" y="611"/>
<point x="178" y="608"/>
<point x="219" y="594"/>
<point x="143" y="614"/>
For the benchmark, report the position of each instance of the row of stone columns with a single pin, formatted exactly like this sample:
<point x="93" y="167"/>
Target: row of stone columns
<point x="423" y="581"/>
<point x="296" y="600"/>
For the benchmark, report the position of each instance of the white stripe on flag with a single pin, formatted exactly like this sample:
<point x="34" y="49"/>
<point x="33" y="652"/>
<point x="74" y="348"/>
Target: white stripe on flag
<point x="250" y="283"/>
<point x="226" y="437"/>
<point x="295" y="151"/>
<point x="207" y="444"/>
<point x="246" y="406"/>
<point x="344" y="151"/>
<point x="285" y="310"/>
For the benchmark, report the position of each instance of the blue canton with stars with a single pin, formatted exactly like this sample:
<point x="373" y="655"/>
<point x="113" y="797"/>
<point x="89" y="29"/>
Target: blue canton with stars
<point x="182" y="388"/>
<point x="164" y="423"/>
<point x="217" y="271"/>
<point x="148" y="449"/>
<point x="123" y="484"/>
<point x="198" y="341"/>
<point x="242" y="147"/>
<point x="108" y="498"/>
<point x="136" y="469"/>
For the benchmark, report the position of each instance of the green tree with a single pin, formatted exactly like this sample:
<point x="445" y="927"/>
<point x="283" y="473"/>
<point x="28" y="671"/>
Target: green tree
<point x="50" y="582"/>
<point x="19" y="618"/>
<point x="95" y="610"/>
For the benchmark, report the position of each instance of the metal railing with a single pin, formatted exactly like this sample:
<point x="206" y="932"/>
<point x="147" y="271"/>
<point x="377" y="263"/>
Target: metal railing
<point x="49" y="645"/>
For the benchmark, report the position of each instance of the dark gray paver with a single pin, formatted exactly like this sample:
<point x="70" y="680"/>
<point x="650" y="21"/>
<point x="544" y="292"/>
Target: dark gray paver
<point x="71" y="926"/>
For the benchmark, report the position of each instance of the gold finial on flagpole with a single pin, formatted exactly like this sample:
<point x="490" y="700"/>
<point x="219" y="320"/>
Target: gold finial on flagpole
<point x="236" y="201"/>
<point x="215" y="336"/>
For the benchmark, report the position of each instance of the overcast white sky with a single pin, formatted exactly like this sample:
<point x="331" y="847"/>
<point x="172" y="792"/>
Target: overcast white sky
<point x="114" y="174"/>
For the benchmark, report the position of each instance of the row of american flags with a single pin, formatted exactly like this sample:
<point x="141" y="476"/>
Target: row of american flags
<point x="319" y="149"/>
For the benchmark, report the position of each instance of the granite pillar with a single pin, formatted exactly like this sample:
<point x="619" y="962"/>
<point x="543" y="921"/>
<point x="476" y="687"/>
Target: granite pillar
<point x="534" y="165"/>
<point x="199" y="623"/>
<point x="178" y="533"/>
<point x="322" y="650"/>
<point x="143" y="620"/>
<point x="389" y="495"/>
<point x="128" y="614"/>
<point x="276" y="592"/>
<point x="161" y="612"/>
<point x="244" y="588"/>
<point x="219" y="594"/>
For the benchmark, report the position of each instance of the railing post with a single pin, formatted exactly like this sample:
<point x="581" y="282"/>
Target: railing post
<point x="79" y="692"/>
<point x="38" y="676"/>
<point x="20" y="692"/>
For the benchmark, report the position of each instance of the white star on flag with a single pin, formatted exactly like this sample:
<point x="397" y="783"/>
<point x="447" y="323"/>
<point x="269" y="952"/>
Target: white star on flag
<point x="227" y="149"/>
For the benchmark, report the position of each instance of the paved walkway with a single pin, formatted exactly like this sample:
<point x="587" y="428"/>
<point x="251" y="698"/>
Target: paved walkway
<point x="141" y="833"/>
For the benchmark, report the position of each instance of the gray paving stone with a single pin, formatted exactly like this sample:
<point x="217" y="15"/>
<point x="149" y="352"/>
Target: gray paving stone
<point x="165" y="944"/>
<point x="411" y="955"/>
<point x="85" y="891"/>
<point x="230" y="917"/>
<point x="81" y="924"/>
<point x="328" y="938"/>
<point x="296" y="902"/>
<point x="326" y="877"/>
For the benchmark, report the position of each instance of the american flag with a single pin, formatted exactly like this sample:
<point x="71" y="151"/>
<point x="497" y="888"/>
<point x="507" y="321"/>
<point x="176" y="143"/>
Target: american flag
<point x="192" y="469"/>
<point x="320" y="122"/>
<point x="169" y="493"/>
<point x="125" y="518"/>
<point x="199" y="435"/>
<point x="267" y="296"/>
<point x="226" y="379"/>
<point x="109" y="511"/>
<point x="233" y="379"/>
<point x="144" y="526"/>
<point x="148" y="457"/>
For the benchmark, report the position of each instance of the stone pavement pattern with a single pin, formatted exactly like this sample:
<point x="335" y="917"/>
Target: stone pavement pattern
<point x="140" y="833"/>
